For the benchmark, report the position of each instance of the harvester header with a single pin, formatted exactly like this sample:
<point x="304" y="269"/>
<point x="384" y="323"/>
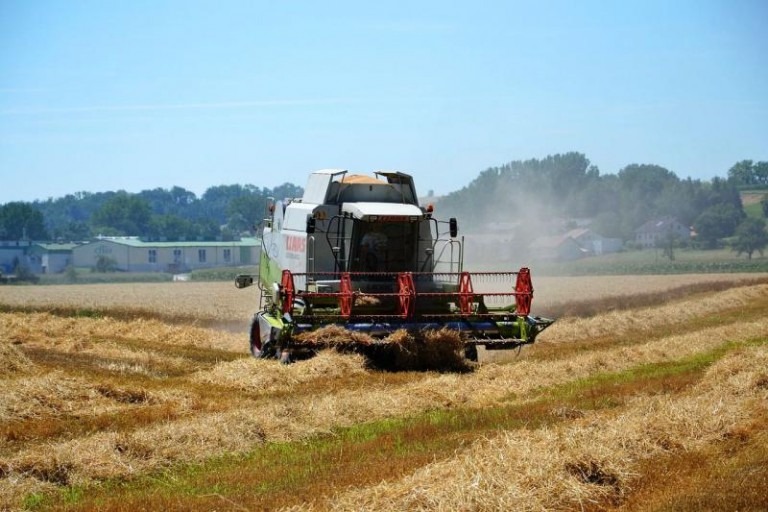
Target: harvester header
<point x="360" y="253"/>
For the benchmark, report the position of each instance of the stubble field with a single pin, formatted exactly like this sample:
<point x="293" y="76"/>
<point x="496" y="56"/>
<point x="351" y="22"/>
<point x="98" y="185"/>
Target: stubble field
<point x="141" y="397"/>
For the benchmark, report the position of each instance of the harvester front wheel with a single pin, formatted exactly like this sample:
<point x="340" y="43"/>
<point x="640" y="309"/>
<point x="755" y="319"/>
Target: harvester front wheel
<point x="258" y="349"/>
<point x="470" y="352"/>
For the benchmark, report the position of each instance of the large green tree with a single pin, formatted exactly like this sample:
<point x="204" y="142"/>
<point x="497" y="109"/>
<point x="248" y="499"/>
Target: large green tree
<point x="742" y="173"/>
<point x="750" y="237"/>
<point x="69" y="217"/>
<point x="717" y="222"/>
<point x="245" y="211"/>
<point x="644" y="182"/>
<point x="761" y="173"/>
<point x="641" y="189"/>
<point x="124" y="214"/>
<point x="172" y="228"/>
<point x="175" y="201"/>
<point x="19" y="220"/>
<point x="748" y="173"/>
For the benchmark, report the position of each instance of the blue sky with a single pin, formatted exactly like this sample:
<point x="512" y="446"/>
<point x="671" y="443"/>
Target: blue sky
<point x="98" y="95"/>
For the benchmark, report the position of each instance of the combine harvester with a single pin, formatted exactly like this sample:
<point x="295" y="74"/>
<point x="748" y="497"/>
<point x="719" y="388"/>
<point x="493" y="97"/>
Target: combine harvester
<point x="358" y="255"/>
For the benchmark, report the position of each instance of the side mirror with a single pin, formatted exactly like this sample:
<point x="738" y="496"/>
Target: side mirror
<point x="454" y="227"/>
<point x="310" y="225"/>
<point x="243" y="281"/>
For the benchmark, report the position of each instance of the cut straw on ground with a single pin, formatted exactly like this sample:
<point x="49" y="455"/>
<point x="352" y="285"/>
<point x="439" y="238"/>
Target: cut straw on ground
<point x="585" y="463"/>
<point x="652" y="319"/>
<point x="67" y="333"/>
<point x="55" y="367"/>
<point x="97" y="457"/>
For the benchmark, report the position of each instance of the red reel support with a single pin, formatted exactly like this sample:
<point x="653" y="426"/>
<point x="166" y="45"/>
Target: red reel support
<point x="346" y="296"/>
<point x="406" y="292"/>
<point x="288" y="291"/>
<point x="523" y="292"/>
<point x="466" y="293"/>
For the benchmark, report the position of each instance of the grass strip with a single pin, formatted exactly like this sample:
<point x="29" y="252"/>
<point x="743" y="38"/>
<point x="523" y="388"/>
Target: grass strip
<point x="281" y="474"/>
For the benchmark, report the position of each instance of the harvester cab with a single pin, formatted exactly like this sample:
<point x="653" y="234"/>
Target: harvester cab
<point x="360" y="253"/>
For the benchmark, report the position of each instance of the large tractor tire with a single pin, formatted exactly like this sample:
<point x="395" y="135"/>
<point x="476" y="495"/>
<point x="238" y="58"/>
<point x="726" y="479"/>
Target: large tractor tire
<point x="470" y="352"/>
<point x="258" y="349"/>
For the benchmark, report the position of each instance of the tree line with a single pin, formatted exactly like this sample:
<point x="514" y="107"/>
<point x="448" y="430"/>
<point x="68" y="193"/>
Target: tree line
<point x="748" y="173"/>
<point x="525" y="193"/>
<point x="529" y="194"/>
<point x="172" y="214"/>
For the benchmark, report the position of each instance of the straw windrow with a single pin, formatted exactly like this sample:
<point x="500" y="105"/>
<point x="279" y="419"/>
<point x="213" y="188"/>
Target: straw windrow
<point x="302" y="416"/>
<point x="589" y="461"/>
<point x="401" y="350"/>
<point x="651" y="319"/>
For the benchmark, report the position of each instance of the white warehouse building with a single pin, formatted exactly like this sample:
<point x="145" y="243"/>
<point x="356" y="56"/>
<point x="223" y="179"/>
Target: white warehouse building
<point x="130" y="254"/>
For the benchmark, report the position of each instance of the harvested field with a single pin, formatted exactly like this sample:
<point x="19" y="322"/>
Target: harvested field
<point x="578" y="463"/>
<point x="129" y="411"/>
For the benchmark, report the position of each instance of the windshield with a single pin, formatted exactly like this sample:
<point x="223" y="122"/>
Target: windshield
<point x="384" y="247"/>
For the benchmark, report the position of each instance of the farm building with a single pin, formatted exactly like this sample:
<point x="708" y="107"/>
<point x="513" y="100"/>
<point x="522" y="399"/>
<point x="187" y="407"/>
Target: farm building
<point x="573" y="245"/>
<point x="11" y="253"/>
<point x="558" y="248"/>
<point x="49" y="258"/>
<point x="649" y="234"/>
<point x="130" y="254"/>
<point x="594" y="243"/>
